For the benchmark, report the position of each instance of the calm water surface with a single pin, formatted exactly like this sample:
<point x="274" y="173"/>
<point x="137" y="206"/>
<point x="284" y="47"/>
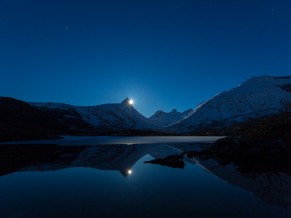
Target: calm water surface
<point x="77" y="178"/>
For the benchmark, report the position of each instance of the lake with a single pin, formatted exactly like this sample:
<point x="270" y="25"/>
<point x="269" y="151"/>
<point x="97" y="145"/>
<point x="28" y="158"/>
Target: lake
<point x="118" y="177"/>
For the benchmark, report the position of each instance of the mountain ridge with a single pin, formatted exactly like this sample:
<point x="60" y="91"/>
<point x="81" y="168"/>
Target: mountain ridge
<point x="113" y="116"/>
<point x="257" y="97"/>
<point x="164" y="119"/>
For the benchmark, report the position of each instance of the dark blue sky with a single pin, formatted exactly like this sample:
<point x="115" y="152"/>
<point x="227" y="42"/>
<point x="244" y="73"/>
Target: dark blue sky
<point x="165" y="54"/>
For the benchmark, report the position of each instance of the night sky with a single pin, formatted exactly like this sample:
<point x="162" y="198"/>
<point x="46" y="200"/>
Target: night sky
<point x="164" y="54"/>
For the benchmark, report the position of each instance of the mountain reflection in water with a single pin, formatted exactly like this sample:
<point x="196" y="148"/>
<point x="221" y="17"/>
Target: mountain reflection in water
<point x="274" y="188"/>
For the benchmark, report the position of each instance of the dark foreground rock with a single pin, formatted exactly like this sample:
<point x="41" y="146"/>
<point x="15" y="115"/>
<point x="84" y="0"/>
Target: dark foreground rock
<point x="174" y="161"/>
<point x="250" y="155"/>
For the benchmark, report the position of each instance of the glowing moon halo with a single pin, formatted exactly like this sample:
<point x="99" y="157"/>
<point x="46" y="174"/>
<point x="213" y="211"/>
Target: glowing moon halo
<point x="129" y="172"/>
<point x="131" y="101"/>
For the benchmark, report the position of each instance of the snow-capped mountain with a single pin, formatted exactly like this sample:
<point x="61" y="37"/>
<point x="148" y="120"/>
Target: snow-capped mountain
<point x="116" y="117"/>
<point x="164" y="119"/>
<point x="257" y="97"/>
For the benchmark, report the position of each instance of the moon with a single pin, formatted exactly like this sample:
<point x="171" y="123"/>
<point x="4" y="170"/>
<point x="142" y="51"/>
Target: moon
<point x="129" y="172"/>
<point x="131" y="101"/>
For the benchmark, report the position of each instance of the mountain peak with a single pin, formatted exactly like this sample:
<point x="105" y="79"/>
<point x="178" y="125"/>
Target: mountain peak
<point x="268" y="80"/>
<point x="159" y="112"/>
<point x="125" y="101"/>
<point x="164" y="119"/>
<point x="174" y="111"/>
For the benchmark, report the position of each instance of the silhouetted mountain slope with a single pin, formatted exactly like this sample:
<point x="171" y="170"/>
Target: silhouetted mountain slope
<point x="20" y="120"/>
